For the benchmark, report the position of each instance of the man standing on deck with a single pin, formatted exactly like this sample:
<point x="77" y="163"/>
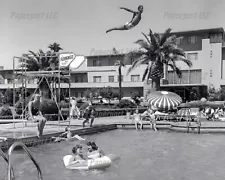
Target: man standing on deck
<point x="34" y="106"/>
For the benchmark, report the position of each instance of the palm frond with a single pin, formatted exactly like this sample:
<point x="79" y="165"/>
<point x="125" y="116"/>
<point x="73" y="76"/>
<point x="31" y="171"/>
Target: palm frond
<point x="164" y="36"/>
<point x="175" y="69"/>
<point x="35" y="55"/>
<point x="141" y="60"/>
<point x="172" y="39"/>
<point x="146" y="37"/>
<point x="145" y="74"/>
<point x="143" y="44"/>
<point x="153" y="39"/>
<point x="178" y="51"/>
<point x="186" y="61"/>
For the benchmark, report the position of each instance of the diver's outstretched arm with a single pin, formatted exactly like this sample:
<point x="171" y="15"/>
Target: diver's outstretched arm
<point x="128" y="10"/>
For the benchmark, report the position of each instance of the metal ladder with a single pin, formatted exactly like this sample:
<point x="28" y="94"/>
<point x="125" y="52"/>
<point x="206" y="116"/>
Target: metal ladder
<point x="10" y="171"/>
<point x="7" y="161"/>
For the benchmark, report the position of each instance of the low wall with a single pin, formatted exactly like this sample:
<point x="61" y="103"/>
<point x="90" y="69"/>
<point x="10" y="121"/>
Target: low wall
<point x="31" y="141"/>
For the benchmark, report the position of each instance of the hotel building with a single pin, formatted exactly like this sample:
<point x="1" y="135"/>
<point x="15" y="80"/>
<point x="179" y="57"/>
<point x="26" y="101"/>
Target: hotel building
<point x="205" y="48"/>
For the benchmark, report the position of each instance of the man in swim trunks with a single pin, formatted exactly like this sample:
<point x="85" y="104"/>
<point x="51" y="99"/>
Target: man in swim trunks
<point x="35" y="106"/>
<point x="74" y="111"/>
<point x="134" y="21"/>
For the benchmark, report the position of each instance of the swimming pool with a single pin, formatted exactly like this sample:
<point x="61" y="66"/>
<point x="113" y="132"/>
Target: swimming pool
<point x="144" y="155"/>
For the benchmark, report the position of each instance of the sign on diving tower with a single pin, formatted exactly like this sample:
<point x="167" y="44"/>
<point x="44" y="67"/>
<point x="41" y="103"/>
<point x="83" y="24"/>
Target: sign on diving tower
<point x="70" y="61"/>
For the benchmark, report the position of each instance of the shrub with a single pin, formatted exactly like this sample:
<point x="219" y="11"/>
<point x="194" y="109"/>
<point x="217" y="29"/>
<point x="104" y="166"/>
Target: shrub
<point x="125" y="103"/>
<point x="5" y="111"/>
<point x="54" y="117"/>
<point x="48" y="106"/>
<point x="20" y="104"/>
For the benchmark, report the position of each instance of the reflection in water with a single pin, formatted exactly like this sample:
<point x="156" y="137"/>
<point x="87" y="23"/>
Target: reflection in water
<point x="144" y="155"/>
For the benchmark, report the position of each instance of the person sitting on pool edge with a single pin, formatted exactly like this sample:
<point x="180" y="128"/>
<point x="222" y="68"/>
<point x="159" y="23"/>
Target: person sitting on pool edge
<point x="94" y="151"/>
<point x="137" y="119"/>
<point x="77" y="153"/>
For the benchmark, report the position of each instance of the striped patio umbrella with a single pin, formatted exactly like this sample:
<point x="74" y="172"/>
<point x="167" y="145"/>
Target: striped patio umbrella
<point x="164" y="99"/>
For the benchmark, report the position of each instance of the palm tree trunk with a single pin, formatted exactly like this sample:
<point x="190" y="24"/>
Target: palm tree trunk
<point x="120" y="83"/>
<point x="155" y="84"/>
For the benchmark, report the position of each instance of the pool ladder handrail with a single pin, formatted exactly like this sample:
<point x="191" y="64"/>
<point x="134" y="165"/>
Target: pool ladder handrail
<point x="7" y="161"/>
<point x="13" y="146"/>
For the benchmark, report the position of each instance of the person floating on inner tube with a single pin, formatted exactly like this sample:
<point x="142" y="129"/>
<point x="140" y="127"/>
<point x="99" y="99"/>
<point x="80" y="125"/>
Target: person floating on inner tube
<point x="77" y="153"/>
<point x="134" y="21"/>
<point x="94" y="151"/>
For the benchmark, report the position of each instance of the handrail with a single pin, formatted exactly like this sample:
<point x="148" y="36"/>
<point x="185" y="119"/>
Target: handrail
<point x="7" y="161"/>
<point x="14" y="145"/>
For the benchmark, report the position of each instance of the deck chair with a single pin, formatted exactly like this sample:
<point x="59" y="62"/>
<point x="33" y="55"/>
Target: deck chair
<point x="183" y="114"/>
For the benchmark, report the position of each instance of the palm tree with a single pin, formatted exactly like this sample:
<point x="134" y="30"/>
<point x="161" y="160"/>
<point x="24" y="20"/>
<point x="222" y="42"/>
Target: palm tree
<point x="156" y="51"/>
<point x="119" y="64"/>
<point x="55" y="47"/>
<point x="41" y="61"/>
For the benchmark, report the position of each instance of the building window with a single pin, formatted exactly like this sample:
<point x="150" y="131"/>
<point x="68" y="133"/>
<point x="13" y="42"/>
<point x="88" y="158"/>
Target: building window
<point x="119" y="78"/>
<point x="111" y="78"/>
<point x="192" y="39"/>
<point x="211" y="54"/>
<point x="210" y="74"/>
<point x="192" y="56"/>
<point x="135" y="78"/>
<point x="78" y="79"/>
<point x="216" y="38"/>
<point x="97" y="62"/>
<point x="179" y="41"/>
<point x="195" y="76"/>
<point x="97" y="79"/>
<point x="188" y="77"/>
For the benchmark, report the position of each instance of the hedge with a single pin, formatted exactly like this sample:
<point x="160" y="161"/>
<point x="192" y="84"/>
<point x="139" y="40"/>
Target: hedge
<point x="9" y="117"/>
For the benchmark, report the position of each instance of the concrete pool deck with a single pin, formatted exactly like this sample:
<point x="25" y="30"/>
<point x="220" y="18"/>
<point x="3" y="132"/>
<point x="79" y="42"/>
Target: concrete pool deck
<point x="28" y="133"/>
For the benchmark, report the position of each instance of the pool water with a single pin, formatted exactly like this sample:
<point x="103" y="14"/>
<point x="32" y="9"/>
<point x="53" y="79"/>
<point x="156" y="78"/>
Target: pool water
<point x="144" y="155"/>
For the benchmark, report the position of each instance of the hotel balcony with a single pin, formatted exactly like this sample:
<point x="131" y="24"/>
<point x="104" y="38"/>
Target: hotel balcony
<point x="78" y="85"/>
<point x="105" y="84"/>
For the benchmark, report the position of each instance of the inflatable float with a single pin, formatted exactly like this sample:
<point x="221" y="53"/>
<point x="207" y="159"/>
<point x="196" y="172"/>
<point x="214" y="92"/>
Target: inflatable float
<point x="97" y="163"/>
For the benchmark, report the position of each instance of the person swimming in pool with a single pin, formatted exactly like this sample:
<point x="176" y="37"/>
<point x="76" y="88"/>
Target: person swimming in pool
<point x="69" y="136"/>
<point x="134" y="21"/>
